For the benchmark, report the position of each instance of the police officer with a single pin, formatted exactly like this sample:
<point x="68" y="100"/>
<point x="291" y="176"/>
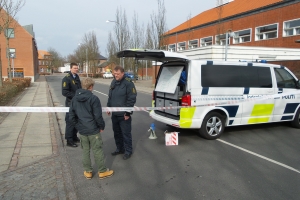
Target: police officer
<point x="70" y="83"/>
<point x="122" y="93"/>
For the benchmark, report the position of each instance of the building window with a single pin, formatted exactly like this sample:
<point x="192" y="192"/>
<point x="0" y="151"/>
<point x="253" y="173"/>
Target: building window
<point x="266" y="32"/>
<point x="221" y="39"/>
<point x="9" y="33"/>
<point x="193" y="44"/>
<point x="291" y="27"/>
<point x="242" y="36"/>
<point x="40" y="62"/>
<point x="172" y="47"/>
<point x="206" y="41"/>
<point x="181" y="46"/>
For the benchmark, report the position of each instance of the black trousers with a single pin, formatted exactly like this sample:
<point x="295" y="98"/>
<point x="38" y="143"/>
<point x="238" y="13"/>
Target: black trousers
<point x="122" y="133"/>
<point x="71" y="131"/>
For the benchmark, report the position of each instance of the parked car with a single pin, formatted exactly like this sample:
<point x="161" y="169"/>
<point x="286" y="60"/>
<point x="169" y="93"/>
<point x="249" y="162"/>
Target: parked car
<point x="131" y="75"/>
<point x="108" y="75"/>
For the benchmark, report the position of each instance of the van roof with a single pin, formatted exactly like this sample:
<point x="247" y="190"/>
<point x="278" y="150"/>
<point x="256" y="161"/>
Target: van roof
<point x="155" y="55"/>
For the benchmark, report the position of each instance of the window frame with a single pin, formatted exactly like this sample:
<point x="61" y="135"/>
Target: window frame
<point x="260" y="77"/>
<point x="12" y="33"/>
<point x="204" y="44"/>
<point x="285" y="80"/>
<point x="258" y="34"/>
<point x="235" y="37"/>
<point x="294" y="29"/>
<point x="222" y="42"/>
<point x="193" y="44"/>
<point x="181" y="46"/>
<point x="172" y="47"/>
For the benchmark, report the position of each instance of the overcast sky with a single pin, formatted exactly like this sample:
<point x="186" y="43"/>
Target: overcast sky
<point x="61" y="24"/>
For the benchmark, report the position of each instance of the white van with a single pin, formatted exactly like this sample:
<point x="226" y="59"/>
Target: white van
<point x="221" y="93"/>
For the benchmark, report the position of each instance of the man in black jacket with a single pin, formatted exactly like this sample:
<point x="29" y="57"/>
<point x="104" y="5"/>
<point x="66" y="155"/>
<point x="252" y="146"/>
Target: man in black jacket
<point x="86" y="115"/>
<point x="122" y="93"/>
<point x="70" y="83"/>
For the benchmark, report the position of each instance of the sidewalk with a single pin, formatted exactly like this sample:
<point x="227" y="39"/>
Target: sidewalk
<point x="33" y="162"/>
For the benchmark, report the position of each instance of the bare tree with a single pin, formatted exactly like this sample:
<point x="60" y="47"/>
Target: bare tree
<point x="56" y="59"/>
<point x="8" y="23"/>
<point x="137" y="41"/>
<point x="92" y="48"/>
<point x="111" y="49"/>
<point x="158" y="25"/>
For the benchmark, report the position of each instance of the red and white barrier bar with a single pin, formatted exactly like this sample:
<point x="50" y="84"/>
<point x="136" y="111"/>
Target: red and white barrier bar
<point x="129" y="109"/>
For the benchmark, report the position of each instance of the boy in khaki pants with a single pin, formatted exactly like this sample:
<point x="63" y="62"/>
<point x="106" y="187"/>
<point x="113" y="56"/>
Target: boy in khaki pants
<point x="86" y="114"/>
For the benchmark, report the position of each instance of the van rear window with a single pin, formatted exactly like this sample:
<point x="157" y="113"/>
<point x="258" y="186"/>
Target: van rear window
<point x="235" y="76"/>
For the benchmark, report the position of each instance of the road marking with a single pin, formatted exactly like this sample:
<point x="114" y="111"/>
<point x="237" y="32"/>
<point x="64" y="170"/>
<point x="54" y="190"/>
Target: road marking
<point x="260" y="156"/>
<point x="100" y="92"/>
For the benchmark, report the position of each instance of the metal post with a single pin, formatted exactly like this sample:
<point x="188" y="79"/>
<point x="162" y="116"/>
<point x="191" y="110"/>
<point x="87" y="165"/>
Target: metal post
<point x="87" y="66"/>
<point x="146" y="70"/>
<point x="226" y="46"/>
<point x="13" y="67"/>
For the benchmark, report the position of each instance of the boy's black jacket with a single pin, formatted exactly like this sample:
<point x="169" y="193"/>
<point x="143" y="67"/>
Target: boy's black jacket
<point x="86" y="113"/>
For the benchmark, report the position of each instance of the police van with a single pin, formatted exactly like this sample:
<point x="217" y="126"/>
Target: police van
<point x="220" y="93"/>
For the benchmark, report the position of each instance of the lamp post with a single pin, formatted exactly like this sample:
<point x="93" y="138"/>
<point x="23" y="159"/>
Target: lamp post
<point x="229" y="34"/>
<point x="120" y="44"/>
<point x="12" y="56"/>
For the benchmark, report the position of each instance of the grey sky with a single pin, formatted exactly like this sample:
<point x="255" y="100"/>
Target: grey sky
<point x="61" y="24"/>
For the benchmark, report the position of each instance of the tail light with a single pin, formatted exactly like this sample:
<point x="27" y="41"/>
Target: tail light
<point x="153" y="95"/>
<point x="186" y="100"/>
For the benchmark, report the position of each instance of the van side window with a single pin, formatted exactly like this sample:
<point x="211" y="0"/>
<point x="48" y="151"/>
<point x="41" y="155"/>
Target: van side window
<point x="236" y="76"/>
<point x="284" y="79"/>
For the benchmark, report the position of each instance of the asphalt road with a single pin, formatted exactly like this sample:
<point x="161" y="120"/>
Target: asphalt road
<point x="247" y="162"/>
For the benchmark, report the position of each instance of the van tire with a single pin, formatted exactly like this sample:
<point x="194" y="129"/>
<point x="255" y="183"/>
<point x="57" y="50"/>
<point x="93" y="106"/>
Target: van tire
<point x="213" y="121"/>
<point x="296" y="122"/>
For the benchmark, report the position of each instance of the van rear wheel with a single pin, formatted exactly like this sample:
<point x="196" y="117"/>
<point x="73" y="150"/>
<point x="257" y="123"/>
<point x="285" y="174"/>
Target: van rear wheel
<point x="212" y="126"/>
<point x="296" y="122"/>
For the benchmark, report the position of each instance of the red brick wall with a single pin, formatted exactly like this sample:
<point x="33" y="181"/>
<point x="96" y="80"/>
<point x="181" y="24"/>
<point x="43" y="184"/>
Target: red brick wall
<point x="26" y="52"/>
<point x="278" y="15"/>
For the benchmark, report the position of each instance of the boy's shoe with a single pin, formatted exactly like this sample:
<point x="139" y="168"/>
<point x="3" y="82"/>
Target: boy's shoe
<point x="88" y="175"/>
<point x="108" y="173"/>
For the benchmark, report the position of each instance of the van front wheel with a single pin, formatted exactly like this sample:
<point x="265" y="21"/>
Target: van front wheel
<point x="212" y="126"/>
<point x="296" y="122"/>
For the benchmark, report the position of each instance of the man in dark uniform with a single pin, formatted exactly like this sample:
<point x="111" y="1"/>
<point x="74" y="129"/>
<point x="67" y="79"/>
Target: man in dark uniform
<point x="122" y="93"/>
<point x="70" y="83"/>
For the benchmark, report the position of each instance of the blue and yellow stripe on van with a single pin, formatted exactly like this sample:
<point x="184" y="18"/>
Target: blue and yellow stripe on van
<point x="261" y="113"/>
<point x="289" y="111"/>
<point x="186" y="117"/>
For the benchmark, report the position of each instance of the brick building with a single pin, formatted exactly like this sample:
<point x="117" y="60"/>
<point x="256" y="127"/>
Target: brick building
<point x="22" y="50"/>
<point x="260" y="23"/>
<point x="44" y="62"/>
<point x="256" y="30"/>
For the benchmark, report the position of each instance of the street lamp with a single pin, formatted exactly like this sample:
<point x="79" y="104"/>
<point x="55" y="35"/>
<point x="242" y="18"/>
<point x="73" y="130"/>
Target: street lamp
<point x="120" y="44"/>
<point x="12" y="56"/>
<point x="229" y="34"/>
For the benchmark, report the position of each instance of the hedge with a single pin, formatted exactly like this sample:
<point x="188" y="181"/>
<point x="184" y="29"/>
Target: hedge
<point x="9" y="90"/>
